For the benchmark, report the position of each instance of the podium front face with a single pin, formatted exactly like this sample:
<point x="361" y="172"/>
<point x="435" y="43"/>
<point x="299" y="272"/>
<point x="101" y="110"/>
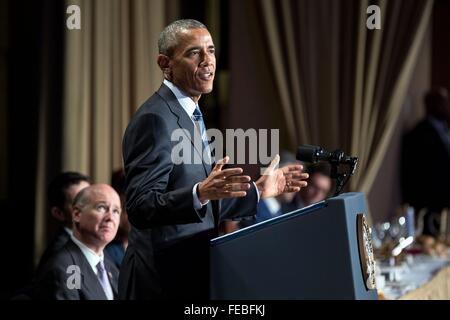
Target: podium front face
<point x="312" y="253"/>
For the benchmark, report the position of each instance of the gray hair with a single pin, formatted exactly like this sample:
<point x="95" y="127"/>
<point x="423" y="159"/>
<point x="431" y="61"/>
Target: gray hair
<point x="81" y="198"/>
<point x="168" y="37"/>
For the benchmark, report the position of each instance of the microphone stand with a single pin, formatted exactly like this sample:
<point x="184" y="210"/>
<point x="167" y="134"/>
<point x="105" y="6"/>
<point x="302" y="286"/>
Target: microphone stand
<point x="341" y="177"/>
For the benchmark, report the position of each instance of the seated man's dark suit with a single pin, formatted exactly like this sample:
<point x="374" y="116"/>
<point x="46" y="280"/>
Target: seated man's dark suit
<point x="56" y="244"/>
<point x="52" y="280"/>
<point x="168" y="252"/>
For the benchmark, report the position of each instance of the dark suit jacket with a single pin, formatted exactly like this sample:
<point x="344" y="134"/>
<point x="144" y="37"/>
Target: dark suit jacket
<point x="167" y="256"/>
<point x="57" y="243"/>
<point x="425" y="169"/>
<point x="52" y="281"/>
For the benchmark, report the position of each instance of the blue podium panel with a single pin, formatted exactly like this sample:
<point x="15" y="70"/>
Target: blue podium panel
<point x="311" y="253"/>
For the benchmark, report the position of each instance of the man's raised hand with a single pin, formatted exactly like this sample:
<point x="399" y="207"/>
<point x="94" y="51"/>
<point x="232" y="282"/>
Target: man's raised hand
<point x="226" y="183"/>
<point x="275" y="180"/>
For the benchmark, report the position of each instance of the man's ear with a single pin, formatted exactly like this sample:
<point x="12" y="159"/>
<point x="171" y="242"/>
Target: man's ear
<point x="164" y="63"/>
<point x="76" y="212"/>
<point x="58" y="214"/>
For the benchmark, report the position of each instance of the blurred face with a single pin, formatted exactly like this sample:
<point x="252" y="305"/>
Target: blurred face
<point x="97" y="221"/>
<point x="317" y="190"/>
<point x="286" y="197"/>
<point x="193" y="63"/>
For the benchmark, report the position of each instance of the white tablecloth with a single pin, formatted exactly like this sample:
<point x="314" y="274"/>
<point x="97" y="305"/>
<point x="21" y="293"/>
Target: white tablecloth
<point x="415" y="278"/>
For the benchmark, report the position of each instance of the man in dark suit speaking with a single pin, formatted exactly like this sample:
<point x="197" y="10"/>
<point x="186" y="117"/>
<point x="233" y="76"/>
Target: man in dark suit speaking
<point x="174" y="208"/>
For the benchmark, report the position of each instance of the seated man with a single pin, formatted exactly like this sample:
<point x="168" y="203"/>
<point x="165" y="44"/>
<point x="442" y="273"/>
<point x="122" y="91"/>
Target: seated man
<point x="318" y="189"/>
<point x="80" y="271"/>
<point x="61" y="193"/>
<point x="266" y="208"/>
<point x="275" y="206"/>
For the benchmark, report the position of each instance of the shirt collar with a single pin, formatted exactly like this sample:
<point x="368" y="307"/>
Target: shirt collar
<point x="69" y="231"/>
<point x="92" y="258"/>
<point x="185" y="101"/>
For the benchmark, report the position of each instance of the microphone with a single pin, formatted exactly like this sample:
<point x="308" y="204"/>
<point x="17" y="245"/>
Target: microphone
<point x="309" y="153"/>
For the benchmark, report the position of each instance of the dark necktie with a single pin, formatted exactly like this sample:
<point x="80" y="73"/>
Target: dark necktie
<point x="198" y="120"/>
<point x="197" y="117"/>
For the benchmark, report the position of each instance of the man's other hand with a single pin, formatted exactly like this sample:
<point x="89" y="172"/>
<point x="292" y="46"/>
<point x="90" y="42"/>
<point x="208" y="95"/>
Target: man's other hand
<point x="275" y="180"/>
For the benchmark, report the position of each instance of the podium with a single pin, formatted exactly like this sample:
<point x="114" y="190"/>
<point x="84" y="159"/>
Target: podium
<point x="322" y="251"/>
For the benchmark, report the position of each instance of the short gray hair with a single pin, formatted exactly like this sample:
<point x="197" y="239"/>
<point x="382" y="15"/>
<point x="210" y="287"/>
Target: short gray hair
<point x="82" y="198"/>
<point x="168" y="37"/>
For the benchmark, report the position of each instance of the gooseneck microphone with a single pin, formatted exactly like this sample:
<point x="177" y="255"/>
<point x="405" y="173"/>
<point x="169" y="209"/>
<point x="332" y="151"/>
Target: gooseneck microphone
<point x="313" y="154"/>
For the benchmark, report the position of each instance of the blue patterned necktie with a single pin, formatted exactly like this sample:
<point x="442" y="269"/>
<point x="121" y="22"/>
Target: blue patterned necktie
<point x="104" y="281"/>
<point x="198" y="120"/>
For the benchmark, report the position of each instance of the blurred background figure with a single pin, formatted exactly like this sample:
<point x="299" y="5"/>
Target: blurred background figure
<point x="61" y="193"/>
<point x="318" y="189"/>
<point x="267" y="208"/>
<point x="116" y="249"/>
<point x="273" y="207"/>
<point x="426" y="161"/>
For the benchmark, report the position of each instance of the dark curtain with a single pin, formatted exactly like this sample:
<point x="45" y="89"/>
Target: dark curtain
<point x="33" y="82"/>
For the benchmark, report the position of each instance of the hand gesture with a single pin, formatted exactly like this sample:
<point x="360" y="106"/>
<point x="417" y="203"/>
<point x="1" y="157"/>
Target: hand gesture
<point x="227" y="183"/>
<point x="275" y="180"/>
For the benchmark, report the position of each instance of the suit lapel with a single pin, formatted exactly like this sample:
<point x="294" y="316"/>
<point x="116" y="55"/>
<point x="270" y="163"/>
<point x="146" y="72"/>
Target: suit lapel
<point x="90" y="285"/>
<point x="184" y="122"/>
